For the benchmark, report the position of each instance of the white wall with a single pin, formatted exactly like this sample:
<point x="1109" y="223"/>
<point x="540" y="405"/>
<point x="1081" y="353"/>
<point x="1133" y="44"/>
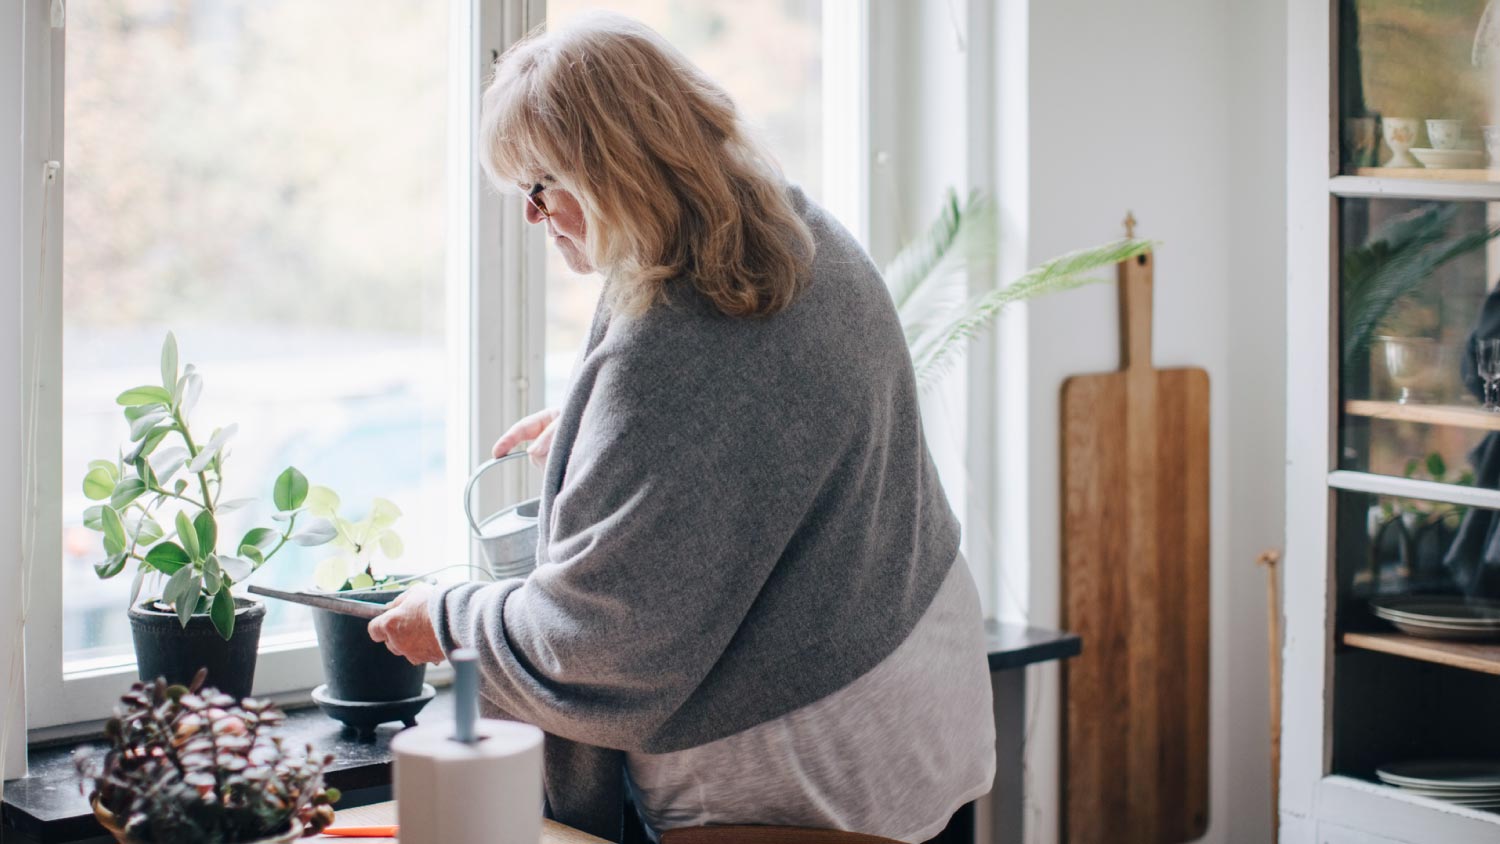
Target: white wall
<point x="12" y="717"/>
<point x="1172" y="109"/>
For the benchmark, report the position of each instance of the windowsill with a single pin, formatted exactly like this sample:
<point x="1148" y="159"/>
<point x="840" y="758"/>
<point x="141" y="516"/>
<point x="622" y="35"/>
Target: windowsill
<point x="47" y="807"/>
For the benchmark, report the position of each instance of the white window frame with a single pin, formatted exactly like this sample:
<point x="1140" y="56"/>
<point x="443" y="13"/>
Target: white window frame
<point x="487" y="335"/>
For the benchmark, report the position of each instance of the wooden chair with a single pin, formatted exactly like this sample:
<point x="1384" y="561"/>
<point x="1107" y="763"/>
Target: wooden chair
<point x="767" y="835"/>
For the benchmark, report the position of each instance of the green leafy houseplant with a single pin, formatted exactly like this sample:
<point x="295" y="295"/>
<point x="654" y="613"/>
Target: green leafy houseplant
<point x="928" y="282"/>
<point x="134" y="487"/>
<point x="188" y="764"/>
<point x="353" y="567"/>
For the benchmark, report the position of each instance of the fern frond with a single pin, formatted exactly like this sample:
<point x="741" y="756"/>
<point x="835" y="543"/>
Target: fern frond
<point x="1397" y="261"/>
<point x="937" y="344"/>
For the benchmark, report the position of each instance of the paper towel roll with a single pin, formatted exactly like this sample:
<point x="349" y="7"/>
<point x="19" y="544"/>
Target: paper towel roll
<point x="489" y="792"/>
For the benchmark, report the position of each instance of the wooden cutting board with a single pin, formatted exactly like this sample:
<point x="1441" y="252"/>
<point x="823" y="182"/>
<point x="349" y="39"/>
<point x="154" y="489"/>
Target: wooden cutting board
<point x="1135" y="587"/>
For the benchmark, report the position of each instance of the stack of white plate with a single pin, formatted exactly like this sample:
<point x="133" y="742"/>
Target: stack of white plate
<point x="1441" y="616"/>
<point x="1467" y="782"/>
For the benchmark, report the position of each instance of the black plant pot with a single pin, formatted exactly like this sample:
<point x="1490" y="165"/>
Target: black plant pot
<point x="165" y="648"/>
<point x="358" y="668"/>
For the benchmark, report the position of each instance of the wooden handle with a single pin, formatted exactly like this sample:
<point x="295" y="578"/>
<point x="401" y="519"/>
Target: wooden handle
<point x="1135" y="312"/>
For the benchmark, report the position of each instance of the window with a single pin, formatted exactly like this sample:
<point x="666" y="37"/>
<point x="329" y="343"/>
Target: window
<point x="289" y="212"/>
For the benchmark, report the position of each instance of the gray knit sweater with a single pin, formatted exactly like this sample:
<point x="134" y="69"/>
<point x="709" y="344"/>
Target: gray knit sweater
<point x="739" y="517"/>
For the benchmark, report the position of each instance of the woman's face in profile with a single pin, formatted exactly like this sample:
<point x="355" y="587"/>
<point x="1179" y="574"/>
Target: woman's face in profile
<point x="564" y="219"/>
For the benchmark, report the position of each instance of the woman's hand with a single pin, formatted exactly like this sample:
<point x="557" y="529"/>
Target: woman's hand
<point x="539" y="427"/>
<point x="406" y="629"/>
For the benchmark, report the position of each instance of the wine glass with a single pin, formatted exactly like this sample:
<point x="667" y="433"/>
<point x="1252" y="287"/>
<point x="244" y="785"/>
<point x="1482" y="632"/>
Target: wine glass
<point x="1487" y="364"/>
<point x="1411" y="362"/>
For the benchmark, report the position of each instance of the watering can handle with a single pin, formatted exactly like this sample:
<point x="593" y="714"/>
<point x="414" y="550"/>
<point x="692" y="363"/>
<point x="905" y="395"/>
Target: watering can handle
<point x="474" y="478"/>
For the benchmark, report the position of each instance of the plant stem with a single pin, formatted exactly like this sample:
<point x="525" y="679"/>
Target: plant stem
<point x="290" y="524"/>
<point x="208" y="502"/>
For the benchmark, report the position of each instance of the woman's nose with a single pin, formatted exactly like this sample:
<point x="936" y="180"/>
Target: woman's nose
<point x="532" y="214"/>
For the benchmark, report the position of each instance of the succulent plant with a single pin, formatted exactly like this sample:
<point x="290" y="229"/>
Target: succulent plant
<point x="191" y="764"/>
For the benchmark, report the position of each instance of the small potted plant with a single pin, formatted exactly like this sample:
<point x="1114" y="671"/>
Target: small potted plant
<point x="188" y="764"/>
<point x="366" y="683"/>
<point x="194" y="620"/>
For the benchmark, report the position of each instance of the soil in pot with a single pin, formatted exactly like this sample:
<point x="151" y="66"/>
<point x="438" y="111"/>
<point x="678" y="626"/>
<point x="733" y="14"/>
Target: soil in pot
<point x="357" y="667"/>
<point x="165" y="648"/>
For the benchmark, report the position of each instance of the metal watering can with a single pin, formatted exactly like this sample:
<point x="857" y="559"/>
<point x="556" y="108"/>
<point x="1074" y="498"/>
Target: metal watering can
<point x="508" y="536"/>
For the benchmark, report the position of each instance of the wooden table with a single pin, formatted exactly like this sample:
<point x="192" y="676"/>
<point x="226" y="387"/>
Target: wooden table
<point x="381" y="814"/>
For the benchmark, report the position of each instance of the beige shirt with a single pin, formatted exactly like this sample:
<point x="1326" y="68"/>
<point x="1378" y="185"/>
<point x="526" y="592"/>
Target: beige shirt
<point x="894" y="753"/>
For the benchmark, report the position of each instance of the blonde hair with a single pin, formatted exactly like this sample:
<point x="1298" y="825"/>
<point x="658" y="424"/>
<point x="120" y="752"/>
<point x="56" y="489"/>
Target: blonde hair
<point x="670" y="182"/>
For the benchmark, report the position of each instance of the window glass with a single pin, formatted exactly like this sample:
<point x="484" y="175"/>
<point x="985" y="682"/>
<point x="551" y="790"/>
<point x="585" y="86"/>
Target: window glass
<point x="768" y="56"/>
<point x="1417" y="297"/>
<point x="265" y="178"/>
<point x="1418" y="89"/>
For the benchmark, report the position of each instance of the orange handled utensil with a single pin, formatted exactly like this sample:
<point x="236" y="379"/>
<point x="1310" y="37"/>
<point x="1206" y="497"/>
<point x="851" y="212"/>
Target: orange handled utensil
<point x="388" y="831"/>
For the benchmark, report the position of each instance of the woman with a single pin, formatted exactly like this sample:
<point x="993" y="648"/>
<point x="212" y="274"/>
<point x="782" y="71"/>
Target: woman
<point x="749" y="602"/>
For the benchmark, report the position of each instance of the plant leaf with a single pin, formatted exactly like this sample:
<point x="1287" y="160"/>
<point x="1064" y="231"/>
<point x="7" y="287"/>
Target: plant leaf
<point x="189" y="388"/>
<point x="391" y="545"/>
<point x="167" y="557"/>
<point x="169" y="362"/>
<point x="233" y="504"/>
<point x="222" y="613"/>
<point x="215" y="444"/>
<point x="135" y="585"/>
<point x="290" y="490"/>
<point x="915" y="263"/>
<point x="237" y="568"/>
<point x="125" y="492"/>
<point x="142" y="426"/>
<point x="151" y="441"/>
<point x="331" y="573"/>
<point x="208" y="532"/>
<point x="108" y="466"/>
<point x="938" y="345"/>
<point x="93" y="517"/>
<point x="97" y="485"/>
<point x="315" y="532"/>
<point x="114" y="530"/>
<point x="383" y="514"/>
<point x="144" y="395"/>
<point x="1436" y="467"/>
<point x="188" y="536"/>
<point x="361" y="581"/>
<point x="110" y="567"/>
<point x="322" y="502"/>
<point x="168" y="462"/>
<point x="182" y="591"/>
<point x="144" y="530"/>
<point x="259" y="537"/>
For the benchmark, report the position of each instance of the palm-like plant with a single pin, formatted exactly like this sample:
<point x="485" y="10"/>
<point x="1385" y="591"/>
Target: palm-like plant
<point x="929" y="282"/>
<point x="1397" y="260"/>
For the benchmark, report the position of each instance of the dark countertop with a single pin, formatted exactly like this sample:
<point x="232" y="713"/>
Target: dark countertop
<point x="1017" y="645"/>
<point x="46" y="806"/>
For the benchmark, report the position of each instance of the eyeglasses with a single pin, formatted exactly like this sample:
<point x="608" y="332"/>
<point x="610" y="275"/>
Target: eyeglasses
<point x="534" y="196"/>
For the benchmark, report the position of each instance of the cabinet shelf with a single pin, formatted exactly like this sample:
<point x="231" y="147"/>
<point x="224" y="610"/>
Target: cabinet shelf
<point x="1422" y="184"/>
<point x="1444" y="174"/>
<point x="1483" y="657"/>
<point x="1454" y="415"/>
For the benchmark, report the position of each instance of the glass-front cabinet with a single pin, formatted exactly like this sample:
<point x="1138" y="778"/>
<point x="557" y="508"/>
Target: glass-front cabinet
<point x="1392" y="576"/>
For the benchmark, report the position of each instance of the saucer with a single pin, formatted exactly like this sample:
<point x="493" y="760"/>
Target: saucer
<point x="1446" y="159"/>
<point x="365" y="716"/>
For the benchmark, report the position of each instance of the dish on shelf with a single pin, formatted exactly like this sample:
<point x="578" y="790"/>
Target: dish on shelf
<point x="1467" y="782"/>
<point x="1448" y="159"/>
<point x="1441" y="616"/>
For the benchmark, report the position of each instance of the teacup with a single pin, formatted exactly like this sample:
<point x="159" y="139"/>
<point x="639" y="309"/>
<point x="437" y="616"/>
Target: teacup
<point x="1445" y="134"/>
<point x="1400" y="133"/>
